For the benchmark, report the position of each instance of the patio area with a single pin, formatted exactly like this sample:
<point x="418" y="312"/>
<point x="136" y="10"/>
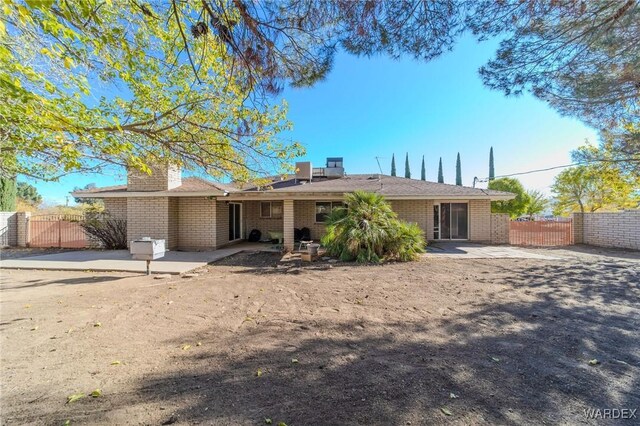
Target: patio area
<point x="174" y="262"/>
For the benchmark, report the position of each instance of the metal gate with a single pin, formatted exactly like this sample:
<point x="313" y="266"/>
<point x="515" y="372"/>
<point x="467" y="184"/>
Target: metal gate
<point x="541" y="233"/>
<point x="62" y="231"/>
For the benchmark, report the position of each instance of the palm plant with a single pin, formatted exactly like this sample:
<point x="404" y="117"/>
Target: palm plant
<point x="368" y="230"/>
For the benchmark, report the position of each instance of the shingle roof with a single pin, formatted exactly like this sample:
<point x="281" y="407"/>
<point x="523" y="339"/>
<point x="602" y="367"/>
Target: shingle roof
<point x="189" y="184"/>
<point x="381" y="184"/>
<point x="389" y="186"/>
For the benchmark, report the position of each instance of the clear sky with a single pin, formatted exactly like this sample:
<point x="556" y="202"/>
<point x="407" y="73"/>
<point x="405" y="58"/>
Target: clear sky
<point x="370" y="107"/>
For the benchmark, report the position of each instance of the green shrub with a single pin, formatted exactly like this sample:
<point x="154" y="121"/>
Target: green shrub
<point x="368" y="230"/>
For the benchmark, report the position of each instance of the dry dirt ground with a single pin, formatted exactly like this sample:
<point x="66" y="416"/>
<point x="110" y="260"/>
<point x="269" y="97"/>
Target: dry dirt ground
<point x="439" y="341"/>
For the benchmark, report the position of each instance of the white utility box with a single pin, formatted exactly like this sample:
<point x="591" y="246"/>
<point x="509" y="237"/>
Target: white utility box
<point x="147" y="249"/>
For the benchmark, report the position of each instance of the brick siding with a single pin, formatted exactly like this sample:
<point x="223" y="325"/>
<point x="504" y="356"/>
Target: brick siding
<point x="222" y="223"/>
<point x="500" y="228"/>
<point x="162" y="178"/>
<point x="150" y="217"/>
<point x="480" y="220"/>
<point x="196" y="223"/>
<point x="252" y="219"/>
<point x="116" y="207"/>
<point x="610" y="229"/>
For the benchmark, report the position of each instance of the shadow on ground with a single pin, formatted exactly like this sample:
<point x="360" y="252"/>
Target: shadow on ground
<point x="503" y="362"/>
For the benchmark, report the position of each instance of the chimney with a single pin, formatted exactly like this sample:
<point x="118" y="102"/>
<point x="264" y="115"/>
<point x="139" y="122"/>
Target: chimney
<point x="163" y="177"/>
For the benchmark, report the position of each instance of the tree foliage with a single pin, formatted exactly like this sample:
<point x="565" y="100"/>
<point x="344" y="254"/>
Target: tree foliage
<point x="593" y="187"/>
<point x="7" y="194"/>
<point x="423" y="170"/>
<point x="407" y="169"/>
<point x="492" y="171"/>
<point x="458" y="171"/>
<point x="514" y="207"/>
<point x="393" y="164"/>
<point x="440" y="174"/>
<point x="109" y="231"/>
<point x="368" y="230"/>
<point x="84" y="85"/>
<point x="580" y="56"/>
<point x="536" y="204"/>
<point x="28" y="193"/>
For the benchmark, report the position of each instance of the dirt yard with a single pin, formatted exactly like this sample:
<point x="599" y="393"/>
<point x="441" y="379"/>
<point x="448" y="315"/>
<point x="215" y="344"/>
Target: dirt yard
<point x="440" y="341"/>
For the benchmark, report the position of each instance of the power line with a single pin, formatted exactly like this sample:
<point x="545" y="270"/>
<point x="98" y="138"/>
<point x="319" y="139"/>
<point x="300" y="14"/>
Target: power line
<point x="580" y="163"/>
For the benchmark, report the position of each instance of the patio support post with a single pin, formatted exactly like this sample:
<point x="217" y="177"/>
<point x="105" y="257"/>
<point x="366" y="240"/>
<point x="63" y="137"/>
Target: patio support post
<point x="287" y="224"/>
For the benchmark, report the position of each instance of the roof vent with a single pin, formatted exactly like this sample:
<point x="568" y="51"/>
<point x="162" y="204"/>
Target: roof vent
<point x="303" y="170"/>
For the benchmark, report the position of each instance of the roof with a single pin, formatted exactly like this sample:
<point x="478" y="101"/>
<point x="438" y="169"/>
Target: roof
<point x="390" y="186"/>
<point x="189" y="185"/>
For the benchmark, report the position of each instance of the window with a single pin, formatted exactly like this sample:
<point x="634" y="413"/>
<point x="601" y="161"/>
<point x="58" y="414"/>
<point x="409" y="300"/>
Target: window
<point x="323" y="208"/>
<point x="265" y="209"/>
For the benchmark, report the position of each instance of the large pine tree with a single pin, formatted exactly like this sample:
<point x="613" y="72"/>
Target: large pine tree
<point x="458" y="171"/>
<point x="423" y="171"/>
<point x="407" y="171"/>
<point x="440" y="174"/>
<point x="393" y="164"/>
<point x="492" y="172"/>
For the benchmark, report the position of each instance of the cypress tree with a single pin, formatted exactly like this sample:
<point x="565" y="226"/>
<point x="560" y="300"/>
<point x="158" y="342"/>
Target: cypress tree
<point x="440" y="175"/>
<point x="407" y="172"/>
<point x="492" y="172"/>
<point x="458" y="171"/>
<point x="7" y="194"/>
<point x="423" y="171"/>
<point x="393" y="164"/>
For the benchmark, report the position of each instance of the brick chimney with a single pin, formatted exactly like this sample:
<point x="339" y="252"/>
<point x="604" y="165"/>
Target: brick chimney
<point x="163" y="177"/>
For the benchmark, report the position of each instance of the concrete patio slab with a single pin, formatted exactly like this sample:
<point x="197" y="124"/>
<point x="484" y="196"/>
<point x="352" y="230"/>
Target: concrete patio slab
<point x="174" y="262"/>
<point x="478" y="251"/>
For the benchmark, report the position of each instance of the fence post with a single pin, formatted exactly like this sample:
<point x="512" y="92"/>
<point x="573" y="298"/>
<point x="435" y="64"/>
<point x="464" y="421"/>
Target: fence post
<point x="577" y="222"/>
<point x="22" y="219"/>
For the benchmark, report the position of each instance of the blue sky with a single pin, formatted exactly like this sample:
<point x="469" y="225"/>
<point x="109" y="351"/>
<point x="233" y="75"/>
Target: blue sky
<point x="378" y="106"/>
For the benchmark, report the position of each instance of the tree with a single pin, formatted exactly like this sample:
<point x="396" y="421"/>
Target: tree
<point x="458" y="171"/>
<point x="537" y="203"/>
<point x="492" y="172"/>
<point x="7" y="194"/>
<point x="368" y="230"/>
<point x="588" y="188"/>
<point x="407" y="170"/>
<point x="440" y="174"/>
<point x="150" y="106"/>
<point x="29" y="194"/>
<point x="515" y="207"/>
<point x="393" y="164"/>
<point x="580" y="57"/>
<point x="423" y="171"/>
<point x="84" y="188"/>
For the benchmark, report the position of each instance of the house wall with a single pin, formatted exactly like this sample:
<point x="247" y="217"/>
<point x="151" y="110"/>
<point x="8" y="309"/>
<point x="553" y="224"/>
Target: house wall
<point x="222" y="223"/>
<point x="196" y="218"/>
<point x="162" y="178"/>
<point x="252" y="219"/>
<point x="304" y="216"/>
<point x="151" y="217"/>
<point x="610" y="229"/>
<point x="480" y="220"/>
<point x="419" y="212"/>
<point x="116" y="207"/>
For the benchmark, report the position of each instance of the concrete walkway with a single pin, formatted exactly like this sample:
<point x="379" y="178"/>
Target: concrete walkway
<point x="174" y="262"/>
<point x="478" y="251"/>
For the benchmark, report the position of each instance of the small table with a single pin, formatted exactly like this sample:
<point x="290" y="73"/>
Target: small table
<point x="304" y="244"/>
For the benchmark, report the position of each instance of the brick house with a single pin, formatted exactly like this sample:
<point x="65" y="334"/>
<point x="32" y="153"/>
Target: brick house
<point x="196" y="214"/>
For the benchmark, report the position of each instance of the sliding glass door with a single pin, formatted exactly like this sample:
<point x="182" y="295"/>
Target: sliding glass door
<point x="235" y="221"/>
<point x="451" y="221"/>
